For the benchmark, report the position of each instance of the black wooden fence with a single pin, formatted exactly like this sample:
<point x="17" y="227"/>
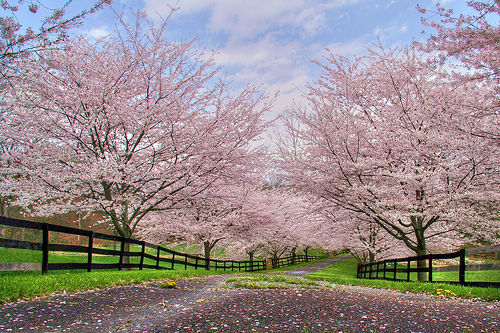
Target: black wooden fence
<point x="400" y="269"/>
<point x="292" y="260"/>
<point x="145" y="255"/>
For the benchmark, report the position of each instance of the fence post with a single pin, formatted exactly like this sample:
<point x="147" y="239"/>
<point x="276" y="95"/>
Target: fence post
<point x="45" y="248"/>
<point x="408" y="270"/>
<point x="142" y="255"/>
<point x="89" y="253"/>
<point x="378" y="268"/>
<point x="430" y="268"/>
<point x="186" y="262"/>
<point x="385" y="267"/>
<point x="461" y="273"/>
<point x="122" y="249"/>
<point x="358" y="271"/>
<point x="196" y="263"/>
<point x="158" y="257"/>
<point x="395" y="268"/>
<point x="173" y="259"/>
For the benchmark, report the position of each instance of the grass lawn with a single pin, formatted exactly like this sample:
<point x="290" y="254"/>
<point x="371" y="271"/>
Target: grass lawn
<point x="344" y="272"/>
<point x="19" y="285"/>
<point x="35" y="256"/>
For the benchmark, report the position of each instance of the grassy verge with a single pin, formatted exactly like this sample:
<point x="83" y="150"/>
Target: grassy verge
<point x="266" y="281"/>
<point x="23" y="285"/>
<point x="344" y="272"/>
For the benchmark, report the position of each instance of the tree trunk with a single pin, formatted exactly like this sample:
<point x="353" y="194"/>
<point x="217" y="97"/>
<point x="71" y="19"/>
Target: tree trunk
<point x="371" y="260"/>
<point x="275" y="259"/>
<point x="422" y="276"/>
<point x="421" y="248"/>
<point x="3" y="212"/>
<point x="126" y="259"/>
<point x="250" y="255"/>
<point x="207" y="248"/>
<point x="125" y="233"/>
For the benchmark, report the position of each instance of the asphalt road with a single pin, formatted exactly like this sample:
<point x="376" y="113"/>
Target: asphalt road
<point x="200" y="305"/>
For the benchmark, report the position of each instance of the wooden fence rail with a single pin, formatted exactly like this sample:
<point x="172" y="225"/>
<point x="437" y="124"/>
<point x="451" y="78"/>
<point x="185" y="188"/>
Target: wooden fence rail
<point x="158" y="257"/>
<point x="389" y="269"/>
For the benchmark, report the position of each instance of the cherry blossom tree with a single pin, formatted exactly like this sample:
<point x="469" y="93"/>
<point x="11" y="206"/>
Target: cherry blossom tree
<point x="287" y="219"/>
<point x="387" y="137"/>
<point x="472" y="39"/>
<point x="17" y="41"/>
<point x="208" y="218"/>
<point x="366" y="240"/>
<point x="129" y="125"/>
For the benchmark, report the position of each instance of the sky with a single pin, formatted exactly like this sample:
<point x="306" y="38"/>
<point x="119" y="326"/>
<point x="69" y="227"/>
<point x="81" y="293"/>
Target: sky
<point x="270" y="43"/>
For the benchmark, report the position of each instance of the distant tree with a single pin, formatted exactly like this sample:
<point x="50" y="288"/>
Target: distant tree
<point x="209" y="218"/>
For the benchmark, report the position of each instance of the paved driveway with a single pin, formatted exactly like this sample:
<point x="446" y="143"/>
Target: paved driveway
<point x="199" y="305"/>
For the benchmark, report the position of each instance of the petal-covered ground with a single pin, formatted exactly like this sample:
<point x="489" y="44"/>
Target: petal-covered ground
<point x="200" y="306"/>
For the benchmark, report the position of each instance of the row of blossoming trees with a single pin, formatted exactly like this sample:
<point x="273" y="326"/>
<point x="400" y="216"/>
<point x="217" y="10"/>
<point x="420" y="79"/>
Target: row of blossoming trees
<point x="143" y="133"/>
<point x="395" y="151"/>
<point x="402" y="145"/>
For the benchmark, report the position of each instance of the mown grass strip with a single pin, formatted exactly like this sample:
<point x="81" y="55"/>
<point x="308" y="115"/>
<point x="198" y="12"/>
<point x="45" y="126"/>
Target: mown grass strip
<point x="263" y="281"/>
<point x="23" y="285"/>
<point x="344" y="272"/>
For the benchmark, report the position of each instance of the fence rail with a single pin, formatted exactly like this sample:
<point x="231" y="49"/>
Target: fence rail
<point x="157" y="257"/>
<point x="389" y="269"/>
<point x="292" y="260"/>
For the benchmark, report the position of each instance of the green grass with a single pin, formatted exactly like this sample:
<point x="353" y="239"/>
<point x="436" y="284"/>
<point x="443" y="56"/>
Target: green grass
<point x="471" y="276"/>
<point x="35" y="256"/>
<point x="22" y="285"/>
<point x="267" y="281"/>
<point x="344" y="272"/>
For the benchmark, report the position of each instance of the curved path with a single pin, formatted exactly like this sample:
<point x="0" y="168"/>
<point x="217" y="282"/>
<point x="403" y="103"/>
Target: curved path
<point x="200" y="306"/>
<point x="317" y="266"/>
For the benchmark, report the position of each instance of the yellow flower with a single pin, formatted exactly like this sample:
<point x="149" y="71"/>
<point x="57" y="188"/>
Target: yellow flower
<point x="448" y="291"/>
<point x="439" y="290"/>
<point x="439" y="293"/>
<point x="453" y="294"/>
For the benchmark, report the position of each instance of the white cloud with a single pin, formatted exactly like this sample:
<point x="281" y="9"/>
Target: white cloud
<point x="266" y="42"/>
<point x="99" y="32"/>
<point x="162" y="8"/>
<point x="247" y="19"/>
<point x="347" y="49"/>
<point x="389" y="31"/>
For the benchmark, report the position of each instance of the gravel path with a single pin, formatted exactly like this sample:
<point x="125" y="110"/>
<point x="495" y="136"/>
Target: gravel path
<point x="200" y="306"/>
